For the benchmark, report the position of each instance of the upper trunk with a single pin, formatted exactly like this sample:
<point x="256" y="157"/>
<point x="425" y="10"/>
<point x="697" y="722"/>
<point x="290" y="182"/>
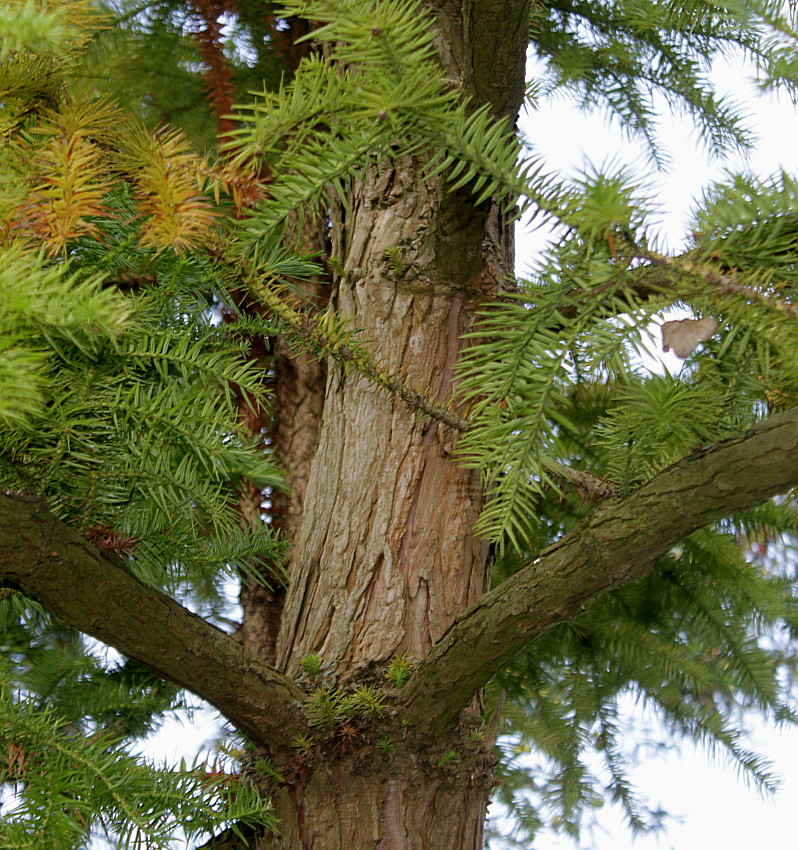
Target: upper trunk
<point x="386" y="558"/>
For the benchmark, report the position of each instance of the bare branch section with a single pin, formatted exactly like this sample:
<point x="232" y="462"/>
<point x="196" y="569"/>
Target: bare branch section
<point x="619" y="544"/>
<point x="92" y="591"/>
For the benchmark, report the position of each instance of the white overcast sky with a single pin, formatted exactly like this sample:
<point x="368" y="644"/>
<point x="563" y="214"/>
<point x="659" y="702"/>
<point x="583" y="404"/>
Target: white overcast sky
<point x="712" y="807"/>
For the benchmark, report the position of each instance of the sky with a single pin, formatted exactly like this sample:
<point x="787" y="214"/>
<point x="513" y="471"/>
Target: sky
<point x="711" y="805"/>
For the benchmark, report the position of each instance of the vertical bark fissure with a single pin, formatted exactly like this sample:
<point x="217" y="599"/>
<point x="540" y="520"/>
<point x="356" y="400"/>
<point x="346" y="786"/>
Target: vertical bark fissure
<point x="298" y="385"/>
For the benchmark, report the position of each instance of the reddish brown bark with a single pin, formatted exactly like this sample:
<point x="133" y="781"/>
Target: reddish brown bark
<point x="386" y="557"/>
<point x="218" y="78"/>
<point x="258" y="631"/>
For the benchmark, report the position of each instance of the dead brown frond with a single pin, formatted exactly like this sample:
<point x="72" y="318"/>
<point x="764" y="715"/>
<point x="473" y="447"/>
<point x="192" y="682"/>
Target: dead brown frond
<point x="106" y="538"/>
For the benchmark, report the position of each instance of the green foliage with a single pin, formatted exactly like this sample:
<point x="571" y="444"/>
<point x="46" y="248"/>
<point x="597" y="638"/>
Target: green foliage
<point x="384" y="743"/>
<point x="303" y="743"/>
<point x="447" y="758"/>
<point x="27" y="28"/>
<point x="119" y="408"/>
<point x="120" y="389"/>
<point x="367" y="702"/>
<point x="151" y="61"/>
<point x="619" y="56"/>
<point x="125" y="412"/>
<point x="311" y="664"/>
<point x="522" y="398"/>
<point x="395" y="256"/>
<point x="44" y="307"/>
<point x="266" y="767"/>
<point x="328" y="707"/>
<point x="45" y="29"/>
<point x="137" y="433"/>
<point x="68" y="786"/>
<point x="655" y="422"/>
<point x="702" y="640"/>
<point x="68" y="675"/>
<point x="583" y="322"/>
<point x="749" y="222"/>
<point x="398" y="670"/>
<point x="377" y="93"/>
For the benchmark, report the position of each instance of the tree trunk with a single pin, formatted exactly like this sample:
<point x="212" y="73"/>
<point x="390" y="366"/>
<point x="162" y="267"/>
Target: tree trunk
<point x="395" y="809"/>
<point x="385" y="557"/>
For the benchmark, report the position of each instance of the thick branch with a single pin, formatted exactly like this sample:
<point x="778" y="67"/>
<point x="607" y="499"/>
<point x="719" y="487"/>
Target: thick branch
<point x="619" y="544"/>
<point x="496" y="34"/>
<point x="91" y="590"/>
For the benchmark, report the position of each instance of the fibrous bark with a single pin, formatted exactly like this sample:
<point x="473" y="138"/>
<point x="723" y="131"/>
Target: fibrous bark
<point x="386" y="557"/>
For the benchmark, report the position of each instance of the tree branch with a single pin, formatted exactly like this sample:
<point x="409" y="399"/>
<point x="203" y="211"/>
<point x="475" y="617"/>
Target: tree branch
<point x="496" y="35"/>
<point x="92" y="590"/>
<point x="619" y="544"/>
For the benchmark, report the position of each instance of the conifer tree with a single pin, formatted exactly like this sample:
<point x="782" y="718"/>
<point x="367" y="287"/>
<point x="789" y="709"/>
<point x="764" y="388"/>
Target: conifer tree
<point x="275" y="341"/>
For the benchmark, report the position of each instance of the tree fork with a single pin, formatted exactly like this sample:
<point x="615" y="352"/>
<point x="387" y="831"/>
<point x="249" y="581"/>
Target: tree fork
<point x="93" y="591"/>
<point x="618" y="544"/>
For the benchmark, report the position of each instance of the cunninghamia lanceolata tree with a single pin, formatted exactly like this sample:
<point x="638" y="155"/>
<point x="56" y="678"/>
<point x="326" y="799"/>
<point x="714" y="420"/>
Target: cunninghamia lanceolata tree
<point x="135" y="275"/>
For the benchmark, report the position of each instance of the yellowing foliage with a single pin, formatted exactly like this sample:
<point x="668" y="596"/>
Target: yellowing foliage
<point x="167" y="176"/>
<point x="64" y="165"/>
<point x="67" y="177"/>
<point x="62" y="154"/>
